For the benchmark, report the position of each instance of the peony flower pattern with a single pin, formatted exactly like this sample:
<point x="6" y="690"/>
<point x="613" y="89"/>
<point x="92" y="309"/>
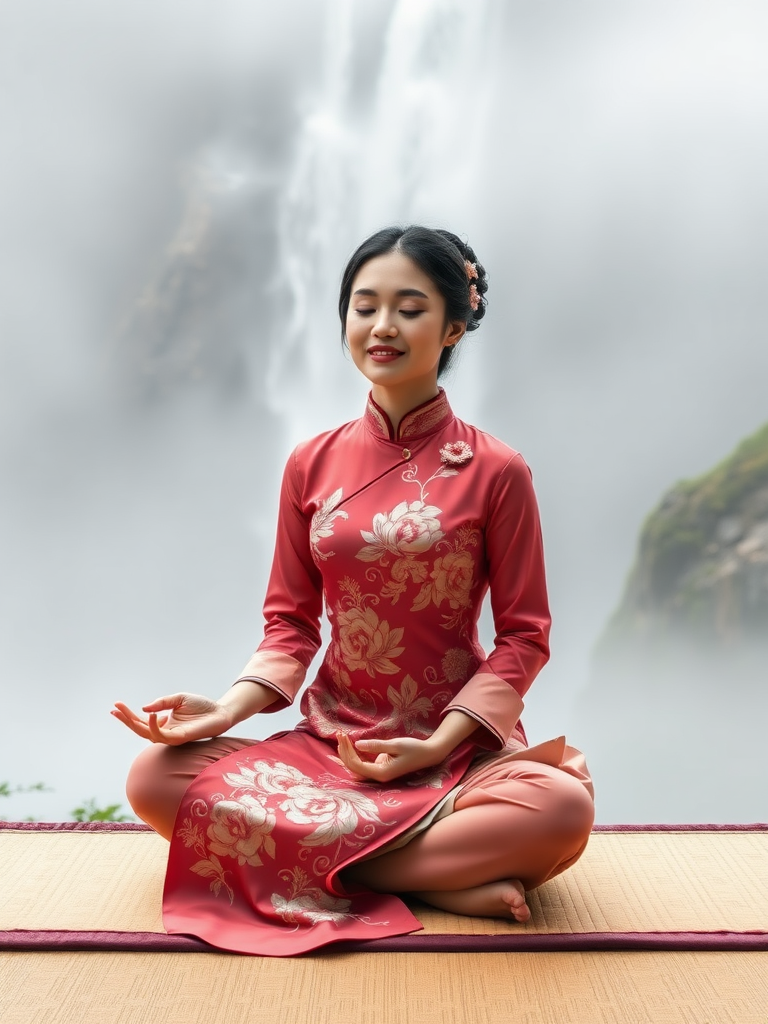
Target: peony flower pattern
<point x="240" y="829"/>
<point x="411" y="528"/>
<point x="266" y="778"/>
<point x="452" y="579"/>
<point x="365" y="642"/>
<point x="399" y="540"/>
<point x="335" y="812"/>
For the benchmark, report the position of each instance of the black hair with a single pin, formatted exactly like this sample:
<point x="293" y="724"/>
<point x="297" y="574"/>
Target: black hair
<point x="443" y="257"/>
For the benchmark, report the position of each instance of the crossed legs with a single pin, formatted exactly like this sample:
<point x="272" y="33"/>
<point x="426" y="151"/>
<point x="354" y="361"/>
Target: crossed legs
<point x="510" y="833"/>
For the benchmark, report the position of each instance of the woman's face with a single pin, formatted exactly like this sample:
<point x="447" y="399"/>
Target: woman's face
<point x="396" y="327"/>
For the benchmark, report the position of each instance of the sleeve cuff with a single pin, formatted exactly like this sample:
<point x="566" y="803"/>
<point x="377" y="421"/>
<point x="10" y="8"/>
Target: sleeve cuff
<point x="493" y="703"/>
<point x="280" y="672"/>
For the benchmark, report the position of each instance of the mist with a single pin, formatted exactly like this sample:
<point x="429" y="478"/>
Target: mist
<point x="179" y="189"/>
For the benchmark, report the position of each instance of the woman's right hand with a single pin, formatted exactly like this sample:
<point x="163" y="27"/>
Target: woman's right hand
<point x="189" y="717"/>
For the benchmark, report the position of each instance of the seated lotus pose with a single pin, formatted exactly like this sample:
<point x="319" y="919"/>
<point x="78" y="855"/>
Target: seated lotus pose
<point x="409" y="772"/>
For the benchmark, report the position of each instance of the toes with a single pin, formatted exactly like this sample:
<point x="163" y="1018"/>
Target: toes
<point x="514" y="897"/>
<point x="513" y="894"/>
<point x="522" y="913"/>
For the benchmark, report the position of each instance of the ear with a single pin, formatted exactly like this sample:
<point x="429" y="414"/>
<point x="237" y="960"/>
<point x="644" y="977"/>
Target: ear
<point x="456" y="331"/>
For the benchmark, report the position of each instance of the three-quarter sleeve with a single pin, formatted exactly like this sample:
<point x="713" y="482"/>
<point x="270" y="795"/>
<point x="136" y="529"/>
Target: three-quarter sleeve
<point x="293" y="604"/>
<point x="494" y="694"/>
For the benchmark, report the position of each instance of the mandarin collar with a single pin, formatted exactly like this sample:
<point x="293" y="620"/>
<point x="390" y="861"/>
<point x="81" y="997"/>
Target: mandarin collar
<point x="427" y="418"/>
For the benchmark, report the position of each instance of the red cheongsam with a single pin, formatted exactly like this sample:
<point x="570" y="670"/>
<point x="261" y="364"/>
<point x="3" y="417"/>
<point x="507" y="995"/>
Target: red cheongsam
<point x="401" y="534"/>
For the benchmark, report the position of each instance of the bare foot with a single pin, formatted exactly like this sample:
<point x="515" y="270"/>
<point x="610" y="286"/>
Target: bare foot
<point x="496" y="899"/>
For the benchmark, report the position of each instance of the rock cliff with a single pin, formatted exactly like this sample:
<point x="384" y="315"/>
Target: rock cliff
<point x="673" y="718"/>
<point x="701" y="573"/>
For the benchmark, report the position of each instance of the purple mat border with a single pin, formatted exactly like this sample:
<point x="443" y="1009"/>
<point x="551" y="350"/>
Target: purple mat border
<point x="147" y="942"/>
<point x="756" y="826"/>
<point x="154" y="942"/>
<point x="73" y="826"/>
<point x="135" y="826"/>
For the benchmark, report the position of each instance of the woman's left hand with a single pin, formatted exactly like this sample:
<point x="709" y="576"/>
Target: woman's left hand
<point x="390" y="758"/>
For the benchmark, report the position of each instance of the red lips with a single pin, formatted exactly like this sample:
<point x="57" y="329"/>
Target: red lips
<point x="384" y="353"/>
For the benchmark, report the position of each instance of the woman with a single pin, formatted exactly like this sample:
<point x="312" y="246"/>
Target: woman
<point x="409" y="772"/>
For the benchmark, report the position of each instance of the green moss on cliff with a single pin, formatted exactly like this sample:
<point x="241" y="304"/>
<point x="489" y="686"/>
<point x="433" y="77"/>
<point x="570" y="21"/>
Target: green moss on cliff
<point x="675" y="533"/>
<point x="667" y="587"/>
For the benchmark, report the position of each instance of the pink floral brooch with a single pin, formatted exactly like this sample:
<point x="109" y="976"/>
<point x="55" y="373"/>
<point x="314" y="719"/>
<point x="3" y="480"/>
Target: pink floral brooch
<point x="456" y="453"/>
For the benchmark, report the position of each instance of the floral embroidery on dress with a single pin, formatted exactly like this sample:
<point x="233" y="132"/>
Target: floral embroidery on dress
<point x="366" y="643"/>
<point x="240" y="829"/>
<point x="407" y="709"/>
<point x="411" y="529"/>
<point x="410" y="477"/>
<point x="321" y="525"/>
<point x="322" y="708"/>
<point x="457" y="665"/>
<point x="210" y="866"/>
<point x="242" y="822"/>
<point x="336" y="812"/>
<point x="452" y="578"/>
<point x="308" y="904"/>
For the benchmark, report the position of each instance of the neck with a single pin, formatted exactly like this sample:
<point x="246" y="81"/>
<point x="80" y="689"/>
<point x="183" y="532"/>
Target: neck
<point x="398" y="403"/>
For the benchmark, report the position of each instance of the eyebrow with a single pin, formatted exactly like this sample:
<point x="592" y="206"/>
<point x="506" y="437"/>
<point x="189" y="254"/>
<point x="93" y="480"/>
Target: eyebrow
<point x="402" y="293"/>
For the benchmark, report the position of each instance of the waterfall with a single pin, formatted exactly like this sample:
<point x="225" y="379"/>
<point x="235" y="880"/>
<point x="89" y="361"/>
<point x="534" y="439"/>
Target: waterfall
<point x="401" y="147"/>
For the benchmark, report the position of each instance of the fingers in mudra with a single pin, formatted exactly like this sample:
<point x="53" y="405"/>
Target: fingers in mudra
<point x="367" y="759"/>
<point x="175" y="719"/>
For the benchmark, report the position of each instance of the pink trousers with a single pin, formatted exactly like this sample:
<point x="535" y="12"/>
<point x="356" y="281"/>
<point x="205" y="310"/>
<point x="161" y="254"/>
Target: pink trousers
<point x="525" y="815"/>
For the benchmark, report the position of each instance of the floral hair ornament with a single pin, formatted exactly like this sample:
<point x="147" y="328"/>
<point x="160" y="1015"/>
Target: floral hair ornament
<point x="456" y="453"/>
<point x="474" y="294"/>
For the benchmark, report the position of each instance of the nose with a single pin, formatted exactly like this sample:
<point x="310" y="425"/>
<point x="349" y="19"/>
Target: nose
<point x="384" y="326"/>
